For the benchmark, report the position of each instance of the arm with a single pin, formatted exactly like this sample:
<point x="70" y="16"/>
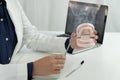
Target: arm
<point x="37" y="41"/>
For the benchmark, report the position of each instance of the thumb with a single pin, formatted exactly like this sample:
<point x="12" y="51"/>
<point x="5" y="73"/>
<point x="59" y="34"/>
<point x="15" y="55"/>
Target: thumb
<point x="73" y="35"/>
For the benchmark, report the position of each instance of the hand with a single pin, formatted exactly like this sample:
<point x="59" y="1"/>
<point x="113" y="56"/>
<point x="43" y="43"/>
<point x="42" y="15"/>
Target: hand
<point x="74" y="40"/>
<point x="48" y="65"/>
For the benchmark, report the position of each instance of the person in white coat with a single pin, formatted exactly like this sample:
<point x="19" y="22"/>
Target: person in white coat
<point x="15" y="31"/>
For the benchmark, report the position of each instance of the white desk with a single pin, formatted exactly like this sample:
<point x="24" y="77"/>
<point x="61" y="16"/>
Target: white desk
<point x="102" y="63"/>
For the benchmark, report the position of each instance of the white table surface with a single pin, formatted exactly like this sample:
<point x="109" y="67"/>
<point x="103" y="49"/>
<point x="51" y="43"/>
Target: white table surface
<point x="102" y="63"/>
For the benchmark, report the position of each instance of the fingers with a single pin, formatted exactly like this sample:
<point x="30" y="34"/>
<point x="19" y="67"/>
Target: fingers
<point x="96" y="37"/>
<point x="95" y="32"/>
<point x="73" y="35"/>
<point x="59" y="57"/>
<point x="49" y="65"/>
<point x="95" y="41"/>
<point x="59" y="66"/>
<point x="57" y="69"/>
<point x="60" y="62"/>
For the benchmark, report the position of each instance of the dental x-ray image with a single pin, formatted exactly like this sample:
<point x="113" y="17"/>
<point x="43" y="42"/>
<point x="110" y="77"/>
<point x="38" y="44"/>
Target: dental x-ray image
<point x="86" y="13"/>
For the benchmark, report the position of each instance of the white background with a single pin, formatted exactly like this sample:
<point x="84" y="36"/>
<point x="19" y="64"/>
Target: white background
<point x="51" y="14"/>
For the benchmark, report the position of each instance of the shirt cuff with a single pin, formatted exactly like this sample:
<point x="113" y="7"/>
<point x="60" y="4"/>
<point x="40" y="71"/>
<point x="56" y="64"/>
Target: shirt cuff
<point x="70" y="50"/>
<point x="30" y="70"/>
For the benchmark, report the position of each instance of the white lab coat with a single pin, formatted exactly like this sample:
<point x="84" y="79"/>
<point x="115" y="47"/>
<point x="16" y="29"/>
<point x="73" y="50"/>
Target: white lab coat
<point x="28" y="34"/>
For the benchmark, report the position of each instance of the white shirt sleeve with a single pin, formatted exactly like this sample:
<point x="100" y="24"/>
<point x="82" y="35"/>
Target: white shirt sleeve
<point x="13" y="72"/>
<point x="38" y="41"/>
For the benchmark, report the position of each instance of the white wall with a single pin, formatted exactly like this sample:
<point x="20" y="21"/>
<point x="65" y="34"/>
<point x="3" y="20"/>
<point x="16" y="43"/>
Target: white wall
<point x="46" y="14"/>
<point x="113" y="23"/>
<point x="51" y="14"/>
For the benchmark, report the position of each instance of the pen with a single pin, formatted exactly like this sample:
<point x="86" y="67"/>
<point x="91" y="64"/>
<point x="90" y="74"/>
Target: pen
<point x="75" y="69"/>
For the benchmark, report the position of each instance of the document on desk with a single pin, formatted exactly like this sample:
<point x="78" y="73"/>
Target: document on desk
<point x="72" y="70"/>
<point x="75" y="75"/>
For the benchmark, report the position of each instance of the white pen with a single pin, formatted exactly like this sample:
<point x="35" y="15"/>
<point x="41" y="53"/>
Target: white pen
<point x="75" y="69"/>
